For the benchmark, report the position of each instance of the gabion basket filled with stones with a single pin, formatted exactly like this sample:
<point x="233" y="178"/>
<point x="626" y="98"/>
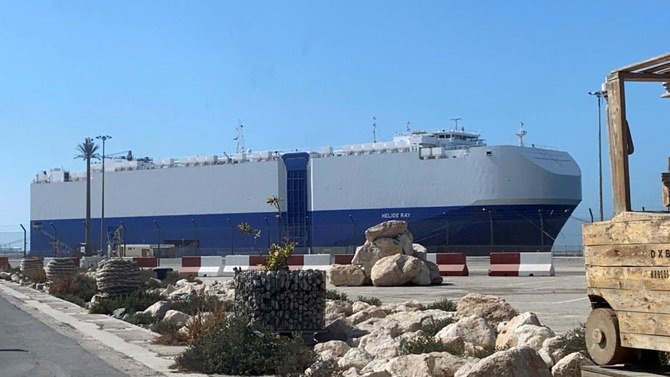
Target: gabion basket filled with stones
<point x="60" y="268"/>
<point x="31" y="265"/>
<point x="118" y="276"/>
<point x="283" y="300"/>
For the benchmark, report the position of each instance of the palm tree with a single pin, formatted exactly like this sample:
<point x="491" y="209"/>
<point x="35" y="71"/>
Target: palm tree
<point x="87" y="151"/>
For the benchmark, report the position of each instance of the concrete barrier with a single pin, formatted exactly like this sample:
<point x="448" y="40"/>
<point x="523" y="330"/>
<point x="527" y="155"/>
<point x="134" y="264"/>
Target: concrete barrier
<point x="235" y="261"/>
<point x="521" y="264"/>
<point x="450" y="264"/>
<point x="173" y="263"/>
<point x="4" y="263"/>
<point x="296" y="261"/>
<point x="90" y="261"/>
<point x="146" y="262"/>
<point x="536" y="264"/>
<point x="504" y="264"/>
<point x="317" y="261"/>
<point x="190" y="266"/>
<point x="343" y="258"/>
<point x="211" y="266"/>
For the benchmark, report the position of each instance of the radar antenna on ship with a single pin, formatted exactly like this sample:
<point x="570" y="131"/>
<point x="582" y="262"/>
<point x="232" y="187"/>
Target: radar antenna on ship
<point x="520" y="134"/>
<point x="455" y="120"/>
<point x="374" y="129"/>
<point x="240" y="137"/>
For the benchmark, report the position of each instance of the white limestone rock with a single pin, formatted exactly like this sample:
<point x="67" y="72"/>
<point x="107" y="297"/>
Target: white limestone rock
<point x="532" y="336"/>
<point x="356" y="358"/>
<point x="515" y="362"/>
<point x="472" y="329"/>
<point x="331" y="350"/>
<point x="387" y="229"/>
<point x="176" y="317"/>
<point x="395" y="270"/>
<point x="571" y="365"/>
<point x="346" y="275"/>
<point x="493" y="309"/>
<point x="158" y="309"/>
<point x="506" y="337"/>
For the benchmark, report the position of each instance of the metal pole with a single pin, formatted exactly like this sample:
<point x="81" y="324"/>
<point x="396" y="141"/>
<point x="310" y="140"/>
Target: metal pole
<point x="232" y="235"/>
<point x="446" y="232"/>
<point x="123" y="227"/>
<point x="197" y="241"/>
<point x="541" y="229"/>
<point x="159" y="237"/>
<point x="25" y="240"/>
<point x="55" y="239"/>
<point x="102" y="209"/>
<point x="268" y="224"/>
<point x="353" y="234"/>
<point x="86" y="245"/>
<point x="309" y="239"/>
<point x="491" y="228"/>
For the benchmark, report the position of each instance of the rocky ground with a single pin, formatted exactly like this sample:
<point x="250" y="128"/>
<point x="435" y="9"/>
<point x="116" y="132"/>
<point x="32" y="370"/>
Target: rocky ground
<point x="482" y="336"/>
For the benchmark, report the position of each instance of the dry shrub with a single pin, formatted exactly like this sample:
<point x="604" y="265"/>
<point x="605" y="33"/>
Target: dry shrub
<point x="38" y="276"/>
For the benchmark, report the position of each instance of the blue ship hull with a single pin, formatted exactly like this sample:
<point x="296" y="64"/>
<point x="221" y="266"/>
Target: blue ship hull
<point x="472" y="230"/>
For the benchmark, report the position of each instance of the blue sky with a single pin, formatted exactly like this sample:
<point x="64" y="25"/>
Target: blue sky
<point x="169" y="79"/>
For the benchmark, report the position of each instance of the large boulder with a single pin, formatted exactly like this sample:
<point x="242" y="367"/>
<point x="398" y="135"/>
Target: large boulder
<point x="406" y="241"/>
<point x="571" y="365"/>
<point x="423" y="277"/>
<point x="176" y="317"/>
<point x="356" y="358"/>
<point x="365" y="314"/>
<point x="387" y="229"/>
<point x="435" y="277"/>
<point x="473" y="330"/>
<point x="532" y="336"/>
<point x="552" y="350"/>
<point x="506" y="337"/>
<point x="395" y="270"/>
<point x="493" y="309"/>
<point x="333" y="349"/>
<point x="515" y="362"/>
<point x="427" y="364"/>
<point x="372" y="251"/>
<point x="158" y="309"/>
<point x="419" y="251"/>
<point x="340" y="329"/>
<point x="346" y="275"/>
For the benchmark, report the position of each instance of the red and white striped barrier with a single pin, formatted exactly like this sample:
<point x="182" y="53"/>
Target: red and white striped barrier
<point x="201" y="266"/>
<point x="521" y="264"/>
<point x="295" y="262"/>
<point x="450" y="264"/>
<point x="145" y="262"/>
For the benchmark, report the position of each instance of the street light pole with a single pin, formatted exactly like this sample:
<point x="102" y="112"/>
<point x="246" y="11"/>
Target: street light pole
<point x="25" y="240"/>
<point x="102" y="210"/>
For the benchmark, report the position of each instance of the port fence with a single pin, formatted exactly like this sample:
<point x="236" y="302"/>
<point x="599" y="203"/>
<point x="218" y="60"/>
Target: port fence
<point x="12" y="240"/>
<point x="196" y="239"/>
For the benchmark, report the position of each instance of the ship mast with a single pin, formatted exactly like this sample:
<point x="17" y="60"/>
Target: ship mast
<point x="240" y="137"/>
<point x="374" y="129"/>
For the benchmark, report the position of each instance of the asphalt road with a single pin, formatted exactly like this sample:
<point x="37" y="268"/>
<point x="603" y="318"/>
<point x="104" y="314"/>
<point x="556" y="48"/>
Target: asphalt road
<point x="30" y="348"/>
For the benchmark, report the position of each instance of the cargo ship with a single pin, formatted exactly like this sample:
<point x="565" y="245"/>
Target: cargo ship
<point x="456" y="192"/>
